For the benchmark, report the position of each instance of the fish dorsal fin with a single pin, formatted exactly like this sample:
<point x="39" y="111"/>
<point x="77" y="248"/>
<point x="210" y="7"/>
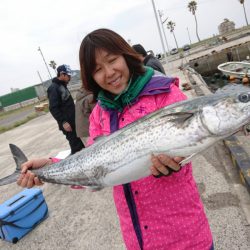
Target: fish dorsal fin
<point x="18" y="156"/>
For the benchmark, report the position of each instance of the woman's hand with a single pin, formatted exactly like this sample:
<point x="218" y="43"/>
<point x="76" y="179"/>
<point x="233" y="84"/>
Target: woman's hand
<point x="27" y="178"/>
<point x="164" y="165"/>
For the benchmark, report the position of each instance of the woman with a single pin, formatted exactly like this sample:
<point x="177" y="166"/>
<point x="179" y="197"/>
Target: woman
<point x="155" y="213"/>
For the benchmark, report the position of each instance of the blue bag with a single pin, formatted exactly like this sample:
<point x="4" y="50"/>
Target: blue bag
<point x="22" y="213"/>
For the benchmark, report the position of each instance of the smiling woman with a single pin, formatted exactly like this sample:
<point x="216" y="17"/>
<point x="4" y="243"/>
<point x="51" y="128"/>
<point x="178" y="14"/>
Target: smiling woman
<point x="127" y="91"/>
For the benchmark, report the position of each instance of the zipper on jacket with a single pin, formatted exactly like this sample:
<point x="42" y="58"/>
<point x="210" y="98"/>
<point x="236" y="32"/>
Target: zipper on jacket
<point x="133" y="213"/>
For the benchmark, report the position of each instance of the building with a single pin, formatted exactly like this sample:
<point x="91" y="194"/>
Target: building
<point x="226" y="26"/>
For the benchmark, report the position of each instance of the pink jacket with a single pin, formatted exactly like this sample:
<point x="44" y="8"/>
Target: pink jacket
<point x="169" y="212"/>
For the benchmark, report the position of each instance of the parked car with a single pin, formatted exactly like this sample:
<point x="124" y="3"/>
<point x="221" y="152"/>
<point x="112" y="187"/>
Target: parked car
<point x="186" y="47"/>
<point x="173" y="51"/>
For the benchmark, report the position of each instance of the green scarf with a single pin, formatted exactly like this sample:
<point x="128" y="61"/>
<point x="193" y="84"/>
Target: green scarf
<point x="135" y="86"/>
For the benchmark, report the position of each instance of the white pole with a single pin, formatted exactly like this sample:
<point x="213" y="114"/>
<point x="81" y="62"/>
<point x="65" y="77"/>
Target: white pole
<point x="159" y="30"/>
<point x="39" y="49"/>
<point x="189" y="36"/>
<point x="164" y="34"/>
<point x="40" y="76"/>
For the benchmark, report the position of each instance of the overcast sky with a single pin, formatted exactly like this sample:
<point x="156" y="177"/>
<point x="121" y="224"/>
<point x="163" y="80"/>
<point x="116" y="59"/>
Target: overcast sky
<point x="59" y="26"/>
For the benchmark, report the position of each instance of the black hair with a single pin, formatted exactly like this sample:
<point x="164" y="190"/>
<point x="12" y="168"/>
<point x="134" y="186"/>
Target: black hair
<point x="139" y="49"/>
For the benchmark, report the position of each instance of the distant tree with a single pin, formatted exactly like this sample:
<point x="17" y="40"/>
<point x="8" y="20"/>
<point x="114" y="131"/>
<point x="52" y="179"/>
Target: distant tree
<point x="243" y="4"/>
<point x="192" y="6"/>
<point x="52" y="64"/>
<point x="170" y="26"/>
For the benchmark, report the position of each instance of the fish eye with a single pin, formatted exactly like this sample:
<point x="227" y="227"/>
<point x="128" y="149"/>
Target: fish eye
<point x="244" y="98"/>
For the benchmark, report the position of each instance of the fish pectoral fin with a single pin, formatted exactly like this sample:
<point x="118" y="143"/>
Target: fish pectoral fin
<point x="187" y="160"/>
<point x="179" y="117"/>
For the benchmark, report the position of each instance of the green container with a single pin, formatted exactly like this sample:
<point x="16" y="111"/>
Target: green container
<point x="18" y="96"/>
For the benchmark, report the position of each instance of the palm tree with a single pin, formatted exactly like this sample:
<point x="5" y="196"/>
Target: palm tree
<point x="170" y="26"/>
<point x="192" y="6"/>
<point x="52" y="64"/>
<point x="242" y="2"/>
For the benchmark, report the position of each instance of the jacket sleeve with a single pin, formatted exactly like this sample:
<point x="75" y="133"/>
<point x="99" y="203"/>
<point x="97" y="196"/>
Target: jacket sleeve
<point x="79" y="118"/>
<point x="54" y="105"/>
<point x="83" y="108"/>
<point x="95" y="127"/>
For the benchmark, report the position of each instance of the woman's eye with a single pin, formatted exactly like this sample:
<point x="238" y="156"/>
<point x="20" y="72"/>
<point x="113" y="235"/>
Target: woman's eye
<point x="112" y="59"/>
<point x="97" y="69"/>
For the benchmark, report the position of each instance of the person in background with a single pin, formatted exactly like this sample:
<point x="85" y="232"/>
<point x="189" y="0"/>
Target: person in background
<point x="62" y="107"/>
<point x="148" y="60"/>
<point x="83" y="107"/>
<point x="229" y="55"/>
<point x="163" y="210"/>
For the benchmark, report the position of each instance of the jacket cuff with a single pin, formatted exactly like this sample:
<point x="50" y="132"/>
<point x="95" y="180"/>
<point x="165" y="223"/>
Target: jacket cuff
<point x="54" y="160"/>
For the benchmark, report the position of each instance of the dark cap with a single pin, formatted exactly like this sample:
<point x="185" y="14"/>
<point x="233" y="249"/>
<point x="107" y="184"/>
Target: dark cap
<point x="139" y="49"/>
<point x="64" y="69"/>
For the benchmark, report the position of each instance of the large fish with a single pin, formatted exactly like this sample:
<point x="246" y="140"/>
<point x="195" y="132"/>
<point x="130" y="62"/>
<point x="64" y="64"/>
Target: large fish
<point x="182" y="129"/>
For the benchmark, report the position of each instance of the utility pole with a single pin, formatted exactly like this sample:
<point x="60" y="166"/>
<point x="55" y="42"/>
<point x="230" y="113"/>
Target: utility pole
<point x="39" y="49"/>
<point x="189" y="36"/>
<point x="159" y="30"/>
<point x="40" y="76"/>
<point x="44" y="89"/>
<point x="162" y="22"/>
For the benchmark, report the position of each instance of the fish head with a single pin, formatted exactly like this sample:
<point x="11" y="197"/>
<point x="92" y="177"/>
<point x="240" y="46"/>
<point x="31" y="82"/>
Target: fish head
<point x="228" y="113"/>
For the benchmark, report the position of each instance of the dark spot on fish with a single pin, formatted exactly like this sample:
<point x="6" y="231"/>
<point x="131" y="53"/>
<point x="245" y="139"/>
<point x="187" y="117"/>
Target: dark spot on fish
<point x="99" y="172"/>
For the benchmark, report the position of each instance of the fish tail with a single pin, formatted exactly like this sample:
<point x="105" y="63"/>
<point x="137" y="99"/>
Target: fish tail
<point x="19" y="158"/>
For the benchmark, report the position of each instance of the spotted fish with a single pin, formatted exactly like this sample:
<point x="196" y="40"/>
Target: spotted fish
<point x="183" y="129"/>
